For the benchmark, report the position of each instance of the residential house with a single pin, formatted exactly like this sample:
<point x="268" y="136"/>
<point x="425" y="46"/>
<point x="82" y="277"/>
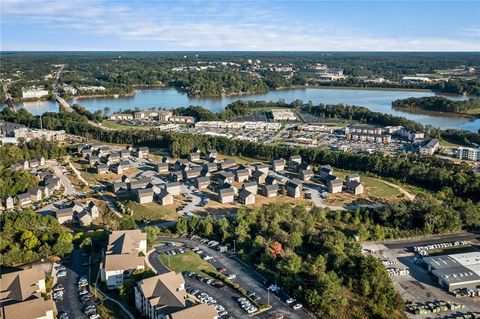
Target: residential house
<point x="23" y="199"/>
<point x="294" y="188"/>
<point x="211" y="154"/>
<point x="278" y="165"/>
<point x="8" y="203"/>
<point x="242" y="175"/>
<point x="270" y="180"/>
<point x="21" y="295"/>
<point x="354" y="187"/>
<point x="173" y="188"/>
<point x="101" y="168"/>
<point x="165" y="198"/>
<point x="246" y="198"/>
<point x="202" y="182"/>
<point x="353" y="177"/>
<point x="93" y="160"/>
<point x="334" y="186"/>
<point x="269" y="190"/>
<point x="326" y="172"/>
<point x="262" y="168"/>
<point x="194" y="157"/>
<point x="122" y="256"/>
<point x="209" y="167"/>
<point x="144" y="195"/>
<point x="194" y="172"/>
<point x="117" y="169"/>
<point x="252" y="187"/>
<point x="305" y="174"/>
<point x="161" y="168"/>
<point x="142" y="152"/>
<point x="225" y="177"/>
<point x="303" y="166"/>
<point x="294" y="161"/>
<point x="65" y="215"/>
<point x="35" y="193"/>
<point x="226" y="195"/>
<point x="259" y="177"/>
<point x="176" y="176"/>
<point x="226" y="164"/>
<point x="182" y="164"/>
<point x="113" y="157"/>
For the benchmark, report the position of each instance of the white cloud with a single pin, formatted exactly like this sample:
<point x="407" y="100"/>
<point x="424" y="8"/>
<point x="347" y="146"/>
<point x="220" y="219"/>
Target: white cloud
<point x="204" y="25"/>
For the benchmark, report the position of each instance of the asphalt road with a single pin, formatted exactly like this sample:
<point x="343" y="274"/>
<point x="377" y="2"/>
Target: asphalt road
<point x="401" y="244"/>
<point x="247" y="278"/>
<point x="71" y="302"/>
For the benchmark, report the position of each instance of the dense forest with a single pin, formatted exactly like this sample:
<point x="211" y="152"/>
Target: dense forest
<point x="122" y="72"/>
<point x="27" y="236"/>
<point x="309" y="256"/>
<point x="438" y="104"/>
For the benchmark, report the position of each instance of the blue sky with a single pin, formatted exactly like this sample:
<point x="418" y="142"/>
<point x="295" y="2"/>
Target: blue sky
<point x="149" y="25"/>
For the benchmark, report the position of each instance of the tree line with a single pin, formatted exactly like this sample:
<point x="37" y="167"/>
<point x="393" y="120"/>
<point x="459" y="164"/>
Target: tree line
<point x="306" y="254"/>
<point x="437" y="104"/>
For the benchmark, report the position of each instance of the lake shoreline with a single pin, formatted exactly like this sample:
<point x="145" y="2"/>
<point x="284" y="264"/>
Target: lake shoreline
<point x="436" y="113"/>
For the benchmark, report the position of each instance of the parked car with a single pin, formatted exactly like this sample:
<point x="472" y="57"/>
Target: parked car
<point x="61" y="274"/>
<point x="231" y="276"/>
<point x="58" y="287"/>
<point x="290" y="301"/>
<point x="62" y="315"/>
<point x="297" y="306"/>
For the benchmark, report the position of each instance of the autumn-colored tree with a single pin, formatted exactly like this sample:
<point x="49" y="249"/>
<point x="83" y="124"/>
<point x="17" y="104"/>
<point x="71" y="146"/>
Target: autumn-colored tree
<point x="276" y="249"/>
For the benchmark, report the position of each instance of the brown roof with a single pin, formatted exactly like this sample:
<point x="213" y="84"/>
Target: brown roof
<point x="33" y="308"/>
<point x="163" y="291"/>
<point x="20" y="285"/>
<point x="122" y="262"/>
<point x="201" y="311"/>
<point x="125" y="241"/>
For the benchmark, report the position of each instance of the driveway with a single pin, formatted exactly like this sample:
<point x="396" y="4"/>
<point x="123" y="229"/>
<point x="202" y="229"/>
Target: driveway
<point x="75" y="270"/>
<point x="69" y="189"/>
<point x="247" y="278"/>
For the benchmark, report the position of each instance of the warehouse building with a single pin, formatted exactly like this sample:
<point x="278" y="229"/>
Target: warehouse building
<point x="455" y="271"/>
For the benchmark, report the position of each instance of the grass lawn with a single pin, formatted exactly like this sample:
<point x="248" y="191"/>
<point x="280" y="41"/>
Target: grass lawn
<point x="373" y="186"/>
<point x="153" y="211"/>
<point x="188" y="261"/>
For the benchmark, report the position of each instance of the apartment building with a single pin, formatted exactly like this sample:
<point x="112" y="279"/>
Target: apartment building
<point x="122" y="256"/>
<point x="20" y="296"/>
<point x="164" y="297"/>
<point x="468" y="153"/>
<point x="430" y="148"/>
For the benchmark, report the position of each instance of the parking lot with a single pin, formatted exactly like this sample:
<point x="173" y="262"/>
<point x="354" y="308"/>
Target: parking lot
<point x="418" y="286"/>
<point x="75" y="269"/>
<point x="246" y="277"/>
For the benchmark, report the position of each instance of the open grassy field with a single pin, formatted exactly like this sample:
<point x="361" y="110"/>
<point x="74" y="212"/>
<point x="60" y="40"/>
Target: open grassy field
<point x="189" y="261"/>
<point x="153" y="211"/>
<point x="373" y="186"/>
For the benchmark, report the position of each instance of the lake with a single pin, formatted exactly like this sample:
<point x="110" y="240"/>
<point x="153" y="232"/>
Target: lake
<point x="375" y="100"/>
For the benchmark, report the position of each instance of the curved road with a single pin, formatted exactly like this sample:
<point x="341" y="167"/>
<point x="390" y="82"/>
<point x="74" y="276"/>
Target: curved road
<point x="247" y="278"/>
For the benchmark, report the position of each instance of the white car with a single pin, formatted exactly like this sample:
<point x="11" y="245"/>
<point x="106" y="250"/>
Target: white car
<point x="61" y="273"/>
<point x="297" y="306"/>
<point x="231" y="276"/>
<point x="290" y="301"/>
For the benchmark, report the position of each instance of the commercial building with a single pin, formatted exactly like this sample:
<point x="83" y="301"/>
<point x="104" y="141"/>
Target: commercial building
<point x="455" y="271"/>
<point x="34" y="92"/>
<point x="283" y="115"/>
